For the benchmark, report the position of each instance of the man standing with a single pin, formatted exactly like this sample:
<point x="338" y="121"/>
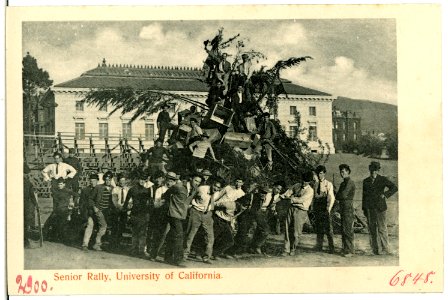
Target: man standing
<point x="177" y="197"/>
<point x="323" y="204"/>
<point x="164" y="122"/>
<point x="375" y="190"/>
<point x="154" y="157"/>
<point x="29" y="205"/>
<point x="101" y="205"/>
<point x="273" y="198"/>
<point x="57" y="170"/>
<point x="345" y="196"/>
<point x="260" y="211"/>
<point x="201" y="216"/>
<point x="141" y="202"/>
<point x="87" y="214"/>
<point x="119" y="215"/>
<point x="301" y="197"/>
<point x="268" y="132"/>
<point x="63" y="203"/>
<point x="73" y="161"/>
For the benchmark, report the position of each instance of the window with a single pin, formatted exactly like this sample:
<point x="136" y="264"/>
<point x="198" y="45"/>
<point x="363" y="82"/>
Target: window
<point x="343" y="125"/>
<point x="293" y="110"/>
<point x="312" y="110"/>
<point x="104" y="130"/>
<point x="354" y="125"/>
<point x="127" y="130"/>
<point x="293" y="131"/>
<point x="103" y="107"/>
<point x="80" y="131"/>
<point x="79" y="105"/>
<point x="312" y="132"/>
<point x="149" y="132"/>
<point x="355" y="137"/>
<point x="336" y="125"/>
<point x="343" y="137"/>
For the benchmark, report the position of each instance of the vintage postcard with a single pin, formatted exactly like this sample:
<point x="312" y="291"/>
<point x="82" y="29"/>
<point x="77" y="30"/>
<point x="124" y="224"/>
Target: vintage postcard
<point x="224" y="149"/>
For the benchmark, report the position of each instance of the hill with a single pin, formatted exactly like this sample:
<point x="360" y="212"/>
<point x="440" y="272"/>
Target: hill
<point x="375" y="116"/>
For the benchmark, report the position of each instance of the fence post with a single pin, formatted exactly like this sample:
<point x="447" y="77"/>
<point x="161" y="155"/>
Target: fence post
<point x="91" y="146"/>
<point x="140" y="145"/>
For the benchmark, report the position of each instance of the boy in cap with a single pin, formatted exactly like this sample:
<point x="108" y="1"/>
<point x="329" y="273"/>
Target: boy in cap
<point x="141" y="202"/>
<point x="86" y="209"/>
<point x="105" y="170"/>
<point x="64" y="200"/>
<point x="301" y="197"/>
<point x="345" y="196"/>
<point x="375" y="190"/>
<point x="322" y="205"/>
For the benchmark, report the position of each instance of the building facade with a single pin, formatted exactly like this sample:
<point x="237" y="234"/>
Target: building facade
<point x="87" y="125"/>
<point x="346" y="128"/>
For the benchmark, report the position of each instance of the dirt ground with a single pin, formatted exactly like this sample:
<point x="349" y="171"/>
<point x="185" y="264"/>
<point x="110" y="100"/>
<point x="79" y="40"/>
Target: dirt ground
<point x="67" y="257"/>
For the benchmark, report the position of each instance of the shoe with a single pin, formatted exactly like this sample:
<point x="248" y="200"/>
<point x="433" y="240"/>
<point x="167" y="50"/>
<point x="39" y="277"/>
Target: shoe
<point x="206" y="260"/>
<point x="214" y="257"/>
<point x="284" y="254"/>
<point x="347" y="255"/>
<point x="97" y="248"/>
<point x="258" y="251"/>
<point x="227" y="256"/>
<point x="85" y="248"/>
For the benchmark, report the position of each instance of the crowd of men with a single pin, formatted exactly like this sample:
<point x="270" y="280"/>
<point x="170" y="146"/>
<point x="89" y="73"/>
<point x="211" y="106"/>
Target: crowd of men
<point x="200" y="215"/>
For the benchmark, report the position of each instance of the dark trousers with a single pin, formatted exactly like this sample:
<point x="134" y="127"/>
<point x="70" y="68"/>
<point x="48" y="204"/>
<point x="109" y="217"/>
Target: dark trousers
<point x="262" y="231"/>
<point x="118" y="220"/>
<point x="274" y="222"/>
<point x="324" y="226"/>
<point x="54" y="227"/>
<point x="223" y="235"/>
<point x="174" y="251"/>
<point x="347" y="219"/>
<point x="378" y="230"/>
<point x="157" y="232"/>
<point x="164" y="127"/>
<point x="241" y="241"/>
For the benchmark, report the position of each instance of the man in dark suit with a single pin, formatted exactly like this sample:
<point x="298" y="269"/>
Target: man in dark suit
<point x="375" y="190"/>
<point x="164" y="122"/>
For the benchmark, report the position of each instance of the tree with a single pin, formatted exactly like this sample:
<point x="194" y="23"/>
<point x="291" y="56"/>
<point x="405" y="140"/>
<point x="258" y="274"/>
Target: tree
<point x="292" y="156"/>
<point x="35" y="82"/>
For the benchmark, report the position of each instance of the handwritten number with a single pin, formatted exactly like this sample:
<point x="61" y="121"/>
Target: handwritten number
<point x="27" y="287"/>
<point x="43" y="286"/>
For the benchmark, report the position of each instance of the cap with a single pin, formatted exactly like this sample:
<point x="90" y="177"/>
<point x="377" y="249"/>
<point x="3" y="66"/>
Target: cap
<point x="57" y="154"/>
<point x="60" y="179"/>
<point x="72" y="150"/>
<point x="94" y="176"/>
<point x="142" y="176"/>
<point x="107" y="176"/>
<point x="206" y="173"/>
<point x="171" y="175"/>
<point x="374" y="165"/>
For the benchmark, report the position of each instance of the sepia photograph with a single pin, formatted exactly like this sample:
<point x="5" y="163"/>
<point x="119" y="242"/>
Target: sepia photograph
<point x="192" y="146"/>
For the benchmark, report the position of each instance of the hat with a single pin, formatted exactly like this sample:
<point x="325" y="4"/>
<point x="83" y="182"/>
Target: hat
<point x="171" y="175"/>
<point x="142" y="176"/>
<point x="57" y="154"/>
<point x="375" y="166"/>
<point x="107" y="176"/>
<point x="105" y="165"/>
<point x="264" y="190"/>
<point x="266" y="114"/>
<point x="60" y="179"/>
<point x="165" y="105"/>
<point x="206" y="173"/>
<point x="244" y="55"/>
<point x="72" y="150"/>
<point x="94" y="176"/>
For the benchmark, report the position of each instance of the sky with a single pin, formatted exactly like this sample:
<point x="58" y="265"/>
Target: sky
<point x="353" y="58"/>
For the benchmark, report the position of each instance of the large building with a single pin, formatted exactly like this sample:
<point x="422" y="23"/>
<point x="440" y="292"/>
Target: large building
<point x="346" y="128"/>
<point x="87" y="125"/>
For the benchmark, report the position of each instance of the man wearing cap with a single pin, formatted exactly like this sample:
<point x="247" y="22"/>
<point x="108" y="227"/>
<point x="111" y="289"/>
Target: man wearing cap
<point x="322" y="204"/>
<point x="375" y="190"/>
<point x="268" y="132"/>
<point x="345" y="196"/>
<point x="105" y="170"/>
<point x="57" y="170"/>
<point x="201" y="216"/>
<point x="158" y="219"/>
<point x="301" y="196"/>
<point x="141" y="205"/>
<point x="164" y="122"/>
<point x="86" y="209"/>
<point x="73" y="161"/>
<point x="101" y="205"/>
<point x="119" y="216"/>
<point x="206" y="177"/>
<point x="177" y="199"/>
<point x="64" y="200"/>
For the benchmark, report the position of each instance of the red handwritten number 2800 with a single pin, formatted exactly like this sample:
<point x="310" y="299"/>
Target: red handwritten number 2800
<point x="26" y="287"/>
<point x="403" y="278"/>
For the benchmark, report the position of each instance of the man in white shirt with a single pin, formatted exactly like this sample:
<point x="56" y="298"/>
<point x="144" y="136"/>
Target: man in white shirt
<point x="322" y="205"/>
<point x="118" y="217"/>
<point x="201" y="216"/>
<point x="301" y="197"/>
<point x="58" y="170"/>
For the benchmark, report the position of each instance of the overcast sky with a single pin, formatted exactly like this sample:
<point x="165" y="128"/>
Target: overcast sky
<point x="352" y="57"/>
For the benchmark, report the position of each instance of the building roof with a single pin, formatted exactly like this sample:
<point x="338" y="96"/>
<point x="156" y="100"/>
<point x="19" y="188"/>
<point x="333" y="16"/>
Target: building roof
<point x="157" y="78"/>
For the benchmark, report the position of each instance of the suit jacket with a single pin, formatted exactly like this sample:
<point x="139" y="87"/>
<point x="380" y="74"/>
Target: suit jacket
<point x="177" y="197"/>
<point x="97" y="196"/>
<point x="372" y="192"/>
